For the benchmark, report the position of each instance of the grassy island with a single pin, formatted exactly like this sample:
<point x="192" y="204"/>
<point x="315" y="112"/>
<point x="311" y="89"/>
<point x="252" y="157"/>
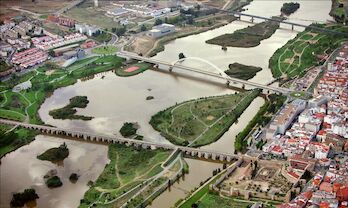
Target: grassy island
<point x="305" y="51"/>
<point x="128" y="167"/>
<point x="20" y="199"/>
<point x="248" y="37"/>
<point x="68" y="112"/>
<point x="55" y="154"/>
<point x="54" y="182"/>
<point x="289" y="8"/>
<point x="241" y="71"/>
<point x="202" y="121"/>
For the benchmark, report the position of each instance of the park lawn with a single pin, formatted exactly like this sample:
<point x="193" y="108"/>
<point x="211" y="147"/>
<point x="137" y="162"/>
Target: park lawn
<point x="142" y="67"/>
<point x="201" y="121"/>
<point x="127" y="168"/>
<point x="16" y="103"/>
<point x="307" y="44"/>
<point x="105" y="50"/>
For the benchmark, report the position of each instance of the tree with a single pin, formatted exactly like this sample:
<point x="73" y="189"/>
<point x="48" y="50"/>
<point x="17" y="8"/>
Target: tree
<point x="158" y="22"/>
<point x="181" y="55"/>
<point x="143" y="28"/>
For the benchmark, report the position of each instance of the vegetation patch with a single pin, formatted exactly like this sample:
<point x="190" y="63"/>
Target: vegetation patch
<point x="241" y="71"/>
<point x="54" y="182"/>
<point x="289" y="8"/>
<point x="202" y="121"/>
<point x="250" y="36"/>
<point x="132" y="70"/>
<point x="69" y="111"/>
<point x="128" y="129"/>
<point x="105" y="50"/>
<point x="20" y="199"/>
<point x="55" y="154"/>
<point x="4" y="66"/>
<point x="74" y="177"/>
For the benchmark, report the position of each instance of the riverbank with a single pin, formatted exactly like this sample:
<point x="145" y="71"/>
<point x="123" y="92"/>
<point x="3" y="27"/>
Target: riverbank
<point x="262" y="118"/>
<point x="12" y="140"/>
<point x="242" y="71"/>
<point x="29" y="101"/>
<point x="150" y="47"/>
<point x="248" y="37"/>
<point x="202" y="121"/>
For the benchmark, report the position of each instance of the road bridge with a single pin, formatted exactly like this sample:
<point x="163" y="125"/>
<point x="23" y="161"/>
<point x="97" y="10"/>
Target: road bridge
<point x="90" y="137"/>
<point x="220" y="74"/>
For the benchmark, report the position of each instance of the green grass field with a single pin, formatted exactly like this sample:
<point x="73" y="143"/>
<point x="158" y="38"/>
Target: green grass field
<point x="127" y="168"/>
<point x="300" y="53"/>
<point x="105" y="50"/>
<point x="202" y="121"/>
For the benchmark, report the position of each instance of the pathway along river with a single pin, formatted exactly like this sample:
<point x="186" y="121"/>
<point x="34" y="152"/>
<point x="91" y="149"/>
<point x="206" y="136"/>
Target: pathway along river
<point x="114" y="100"/>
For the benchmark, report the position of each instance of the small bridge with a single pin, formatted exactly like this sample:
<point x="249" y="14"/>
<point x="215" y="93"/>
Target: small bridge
<point x="221" y="74"/>
<point x="85" y="136"/>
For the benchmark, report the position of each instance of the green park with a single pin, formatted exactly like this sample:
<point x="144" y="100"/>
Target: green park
<point x="301" y="53"/>
<point x="121" y="178"/>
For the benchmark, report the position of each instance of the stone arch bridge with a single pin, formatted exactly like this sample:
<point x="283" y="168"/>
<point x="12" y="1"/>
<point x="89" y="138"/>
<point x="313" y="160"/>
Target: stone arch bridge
<point x="90" y="137"/>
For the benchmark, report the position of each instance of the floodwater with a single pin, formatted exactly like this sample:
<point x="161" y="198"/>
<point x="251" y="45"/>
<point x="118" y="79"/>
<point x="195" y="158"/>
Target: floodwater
<point x="21" y="169"/>
<point x="115" y="100"/>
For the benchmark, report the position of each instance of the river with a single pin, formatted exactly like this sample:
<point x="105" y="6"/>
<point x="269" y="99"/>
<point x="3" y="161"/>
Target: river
<point x="115" y="100"/>
<point x="21" y="169"/>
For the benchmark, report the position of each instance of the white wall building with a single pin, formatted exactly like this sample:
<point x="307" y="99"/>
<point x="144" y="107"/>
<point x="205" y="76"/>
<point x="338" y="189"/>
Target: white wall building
<point x="161" y="30"/>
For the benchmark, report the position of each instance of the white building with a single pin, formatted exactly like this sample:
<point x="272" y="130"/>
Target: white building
<point x="86" y="29"/>
<point x="286" y="116"/>
<point x="161" y="30"/>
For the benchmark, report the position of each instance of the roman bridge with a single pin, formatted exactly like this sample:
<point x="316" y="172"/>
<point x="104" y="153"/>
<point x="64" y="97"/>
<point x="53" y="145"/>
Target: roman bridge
<point x="90" y="137"/>
<point x="220" y="75"/>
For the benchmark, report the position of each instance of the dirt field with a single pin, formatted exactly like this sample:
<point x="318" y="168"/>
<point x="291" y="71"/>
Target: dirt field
<point x="39" y="6"/>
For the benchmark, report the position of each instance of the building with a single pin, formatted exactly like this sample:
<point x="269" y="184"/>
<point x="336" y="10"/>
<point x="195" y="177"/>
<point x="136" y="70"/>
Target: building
<point x="161" y="30"/>
<point x="86" y="29"/>
<point x="286" y="116"/>
<point x="78" y="53"/>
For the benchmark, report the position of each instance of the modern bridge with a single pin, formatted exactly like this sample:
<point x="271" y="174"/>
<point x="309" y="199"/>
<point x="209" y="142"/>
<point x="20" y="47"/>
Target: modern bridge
<point x="90" y="137"/>
<point x="221" y="74"/>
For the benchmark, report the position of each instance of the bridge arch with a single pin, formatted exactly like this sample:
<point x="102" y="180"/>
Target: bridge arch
<point x="216" y="68"/>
